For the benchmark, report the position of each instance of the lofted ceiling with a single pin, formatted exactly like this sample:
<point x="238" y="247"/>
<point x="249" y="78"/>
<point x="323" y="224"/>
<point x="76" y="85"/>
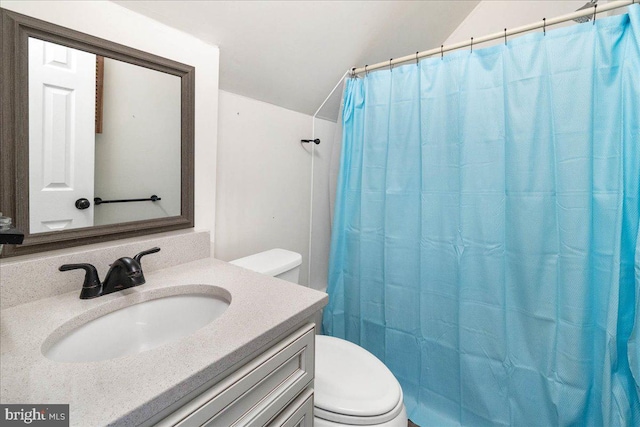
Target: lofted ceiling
<point x="292" y="53"/>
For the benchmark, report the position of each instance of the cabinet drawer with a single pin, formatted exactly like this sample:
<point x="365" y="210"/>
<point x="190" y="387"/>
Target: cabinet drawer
<point x="298" y="414"/>
<point x="256" y="392"/>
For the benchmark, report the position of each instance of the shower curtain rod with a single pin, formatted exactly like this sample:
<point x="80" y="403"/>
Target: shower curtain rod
<point x="503" y="34"/>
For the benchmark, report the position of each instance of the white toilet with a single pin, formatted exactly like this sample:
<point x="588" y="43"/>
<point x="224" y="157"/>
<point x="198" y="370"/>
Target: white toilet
<point x="352" y="386"/>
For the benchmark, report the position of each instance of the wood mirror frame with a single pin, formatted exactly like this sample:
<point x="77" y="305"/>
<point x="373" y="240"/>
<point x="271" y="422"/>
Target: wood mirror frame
<point x="14" y="133"/>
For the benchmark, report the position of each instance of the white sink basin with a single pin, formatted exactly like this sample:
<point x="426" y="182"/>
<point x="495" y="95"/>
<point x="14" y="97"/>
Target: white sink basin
<point x="136" y="328"/>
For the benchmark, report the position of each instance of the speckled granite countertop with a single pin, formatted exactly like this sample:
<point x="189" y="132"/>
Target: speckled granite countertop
<point x="129" y="390"/>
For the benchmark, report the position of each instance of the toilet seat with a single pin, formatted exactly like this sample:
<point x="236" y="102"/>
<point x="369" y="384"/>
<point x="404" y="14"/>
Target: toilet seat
<point x="352" y="386"/>
<point x="360" y="421"/>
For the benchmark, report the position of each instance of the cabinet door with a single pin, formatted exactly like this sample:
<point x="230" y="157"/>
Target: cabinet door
<point x="298" y="414"/>
<point x="257" y="392"/>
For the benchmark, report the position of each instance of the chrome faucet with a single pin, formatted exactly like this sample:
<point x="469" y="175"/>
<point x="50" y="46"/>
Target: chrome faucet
<point x="124" y="273"/>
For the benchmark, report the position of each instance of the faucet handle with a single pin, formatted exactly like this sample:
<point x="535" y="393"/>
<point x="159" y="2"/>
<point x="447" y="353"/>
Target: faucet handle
<point x="147" y="252"/>
<point x="91" y="286"/>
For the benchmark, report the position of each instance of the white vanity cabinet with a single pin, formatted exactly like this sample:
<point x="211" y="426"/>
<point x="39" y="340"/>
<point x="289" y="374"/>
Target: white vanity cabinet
<point x="274" y="388"/>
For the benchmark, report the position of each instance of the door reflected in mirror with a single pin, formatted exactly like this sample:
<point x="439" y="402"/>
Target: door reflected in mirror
<point x="100" y="129"/>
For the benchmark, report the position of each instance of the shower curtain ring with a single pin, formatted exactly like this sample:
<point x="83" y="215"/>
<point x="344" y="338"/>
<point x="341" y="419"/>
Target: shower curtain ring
<point x="441" y="51"/>
<point x="366" y="72"/>
<point x="417" y="58"/>
<point x="544" y="26"/>
<point x="390" y="64"/>
<point x="353" y="72"/>
<point x="595" y="8"/>
<point x="471" y="45"/>
<point x="505" y="36"/>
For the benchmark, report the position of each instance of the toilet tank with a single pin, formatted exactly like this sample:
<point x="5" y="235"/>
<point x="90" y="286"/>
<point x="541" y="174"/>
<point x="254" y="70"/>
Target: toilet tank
<point x="279" y="263"/>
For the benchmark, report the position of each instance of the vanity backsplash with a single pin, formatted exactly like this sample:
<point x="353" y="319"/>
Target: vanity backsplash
<point x="32" y="277"/>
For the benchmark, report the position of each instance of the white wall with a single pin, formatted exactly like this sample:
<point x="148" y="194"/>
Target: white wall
<point x="321" y="218"/>
<point x="138" y="152"/>
<point x="264" y="188"/>
<point x="492" y="16"/>
<point x="264" y="172"/>
<point x="115" y="23"/>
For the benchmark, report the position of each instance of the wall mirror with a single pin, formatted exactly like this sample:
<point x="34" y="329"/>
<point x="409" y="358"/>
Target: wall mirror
<point x="97" y="138"/>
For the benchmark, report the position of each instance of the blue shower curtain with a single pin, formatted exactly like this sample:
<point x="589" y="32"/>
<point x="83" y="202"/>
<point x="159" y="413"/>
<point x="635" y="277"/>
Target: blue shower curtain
<point x="485" y="243"/>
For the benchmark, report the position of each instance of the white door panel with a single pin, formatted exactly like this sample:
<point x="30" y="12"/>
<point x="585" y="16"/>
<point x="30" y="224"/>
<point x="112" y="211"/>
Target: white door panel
<point x="61" y="136"/>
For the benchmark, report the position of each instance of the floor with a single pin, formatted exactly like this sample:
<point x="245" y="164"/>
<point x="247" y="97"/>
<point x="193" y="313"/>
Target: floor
<point x="411" y="424"/>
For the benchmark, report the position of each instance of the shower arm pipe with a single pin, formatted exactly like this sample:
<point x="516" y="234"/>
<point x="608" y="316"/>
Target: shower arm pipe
<point x="496" y="36"/>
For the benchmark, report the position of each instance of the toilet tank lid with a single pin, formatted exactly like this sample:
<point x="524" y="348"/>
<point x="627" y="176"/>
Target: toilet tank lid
<point x="271" y="262"/>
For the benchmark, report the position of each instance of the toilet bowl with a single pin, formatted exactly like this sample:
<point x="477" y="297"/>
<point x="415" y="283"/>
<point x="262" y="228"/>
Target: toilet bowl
<point x="352" y="386"/>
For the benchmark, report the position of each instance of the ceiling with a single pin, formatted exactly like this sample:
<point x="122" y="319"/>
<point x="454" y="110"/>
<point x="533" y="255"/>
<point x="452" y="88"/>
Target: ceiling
<point x="292" y="53"/>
